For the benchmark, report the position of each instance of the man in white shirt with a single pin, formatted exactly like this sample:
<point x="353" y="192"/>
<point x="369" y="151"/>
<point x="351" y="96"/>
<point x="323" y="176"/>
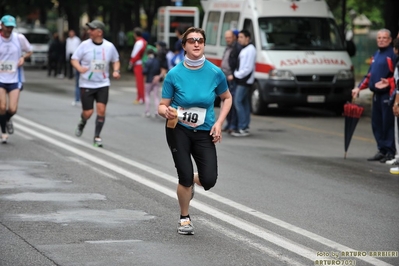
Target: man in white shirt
<point x="14" y="49"/>
<point x="72" y="43"/>
<point x="244" y="77"/>
<point x="92" y="59"/>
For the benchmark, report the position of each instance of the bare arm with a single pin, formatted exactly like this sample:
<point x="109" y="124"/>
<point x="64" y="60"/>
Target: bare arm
<point x="75" y="63"/>
<point x="117" y="70"/>
<point x="226" y="103"/>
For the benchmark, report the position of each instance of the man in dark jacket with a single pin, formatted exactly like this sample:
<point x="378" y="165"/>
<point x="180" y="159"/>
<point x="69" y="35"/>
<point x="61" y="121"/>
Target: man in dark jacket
<point x="382" y="118"/>
<point x="54" y="54"/>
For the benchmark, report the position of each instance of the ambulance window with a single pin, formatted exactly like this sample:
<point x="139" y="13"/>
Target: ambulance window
<point x="248" y="25"/>
<point x="230" y="22"/>
<point x="212" y="27"/>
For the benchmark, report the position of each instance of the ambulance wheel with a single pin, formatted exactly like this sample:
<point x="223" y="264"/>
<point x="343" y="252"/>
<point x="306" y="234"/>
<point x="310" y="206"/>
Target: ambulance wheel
<point x="258" y="106"/>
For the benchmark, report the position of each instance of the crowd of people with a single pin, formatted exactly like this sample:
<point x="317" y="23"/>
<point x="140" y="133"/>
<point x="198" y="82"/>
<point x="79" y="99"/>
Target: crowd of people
<point x="190" y="83"/>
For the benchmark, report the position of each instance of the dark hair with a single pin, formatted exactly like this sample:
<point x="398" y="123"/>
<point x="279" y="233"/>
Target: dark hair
<point x="150" y="51"/>
<point x="396" y="43"/>
<point x="190" y="30"/>
<point x="180" y="30"/>
<point x="246" y="33"/>
<point x="138" y="31"/>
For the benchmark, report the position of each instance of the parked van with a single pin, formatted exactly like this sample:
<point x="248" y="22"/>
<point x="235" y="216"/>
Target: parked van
<point x="39" y="38"/>
<point x="301" y="54"/>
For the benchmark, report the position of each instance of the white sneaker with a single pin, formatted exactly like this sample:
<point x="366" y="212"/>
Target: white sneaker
<point x="394" y="170"/>
<point x="4" y="138"/>
<point x="392" y="162"/>
<point x="240" y="133"/>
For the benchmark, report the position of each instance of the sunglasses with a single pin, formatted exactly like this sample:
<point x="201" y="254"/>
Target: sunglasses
<point x="193" y="40"/>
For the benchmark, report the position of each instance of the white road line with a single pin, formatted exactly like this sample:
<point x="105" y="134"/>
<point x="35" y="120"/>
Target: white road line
<point x="93" y="168"/>
<point x="248" y="242"/>
<point x="113" y="241"/>
<point x="310" y="254"/>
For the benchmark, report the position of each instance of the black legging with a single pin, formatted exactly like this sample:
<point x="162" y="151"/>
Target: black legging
<point x="184" y="143"/>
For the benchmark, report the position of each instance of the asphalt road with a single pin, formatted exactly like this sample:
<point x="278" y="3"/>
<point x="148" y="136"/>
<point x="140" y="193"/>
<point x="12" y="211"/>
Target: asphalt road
<point x="285" y="195"/>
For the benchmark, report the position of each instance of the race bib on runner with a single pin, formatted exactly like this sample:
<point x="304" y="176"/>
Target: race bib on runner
<point x="8" y="66"/>
<point x="98" y="65"/>
<point x="193" y="117"/>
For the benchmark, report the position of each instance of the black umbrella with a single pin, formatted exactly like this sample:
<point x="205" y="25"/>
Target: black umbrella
<point x="352" y="113"/>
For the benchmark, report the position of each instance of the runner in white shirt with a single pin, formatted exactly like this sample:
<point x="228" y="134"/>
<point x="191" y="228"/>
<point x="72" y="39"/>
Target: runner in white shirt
<point x="92" y="59"/>
<point x="14" y="49"/>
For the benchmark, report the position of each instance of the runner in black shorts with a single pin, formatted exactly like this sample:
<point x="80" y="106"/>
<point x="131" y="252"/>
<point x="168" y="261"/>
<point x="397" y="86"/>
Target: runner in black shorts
<point x="92" y="59"/>
<point x="14" y="49"/>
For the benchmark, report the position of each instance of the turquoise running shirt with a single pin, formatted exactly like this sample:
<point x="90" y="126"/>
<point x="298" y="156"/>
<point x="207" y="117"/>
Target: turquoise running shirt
<point x="195" y="90"/>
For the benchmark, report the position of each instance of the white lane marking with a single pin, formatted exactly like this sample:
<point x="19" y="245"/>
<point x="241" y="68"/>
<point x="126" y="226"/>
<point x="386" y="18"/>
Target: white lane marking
<point x="93" y="168"/>
<point x="113" y="241"/>
<point x="248" y="242"/>
<point x="238" y="206"/>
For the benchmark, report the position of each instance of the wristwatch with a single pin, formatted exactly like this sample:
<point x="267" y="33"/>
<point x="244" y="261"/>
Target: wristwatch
<point x="117" y="71"/>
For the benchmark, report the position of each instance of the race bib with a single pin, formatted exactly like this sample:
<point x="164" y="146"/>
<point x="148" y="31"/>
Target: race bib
<point x="8" y="66"/>
<point x="193" y="117"/>
<point x="98" y="65"/>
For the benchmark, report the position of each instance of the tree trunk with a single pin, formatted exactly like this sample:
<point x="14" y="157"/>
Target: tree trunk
<point x="392" y="16"/>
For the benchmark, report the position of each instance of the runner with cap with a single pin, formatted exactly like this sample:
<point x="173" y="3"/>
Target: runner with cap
<point x="14" y="49"/>
<point x="92" y="59"/>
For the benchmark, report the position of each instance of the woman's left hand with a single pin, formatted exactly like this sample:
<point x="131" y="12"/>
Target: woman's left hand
<point x="216" y="133"/>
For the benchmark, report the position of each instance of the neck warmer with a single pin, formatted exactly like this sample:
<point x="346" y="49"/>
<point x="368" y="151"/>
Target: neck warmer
<point x="194" y="63"/>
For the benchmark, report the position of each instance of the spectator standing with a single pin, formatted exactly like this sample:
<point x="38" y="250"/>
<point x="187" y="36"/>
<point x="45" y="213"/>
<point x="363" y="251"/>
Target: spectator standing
<point x="121" y="41"/>
<point x="229" y="64"/>
<point x="136" y="62"/>
<point x="244" y="77"/>
<point x="14" y="49"/>
<point x="394" y="82"/>
<point x="92" y="59"/>
<point x="54" y="55"/>
<point x="382" y="118"/>
<point x="179" y="51"/>
<point x="151" y="69"/>
<point x="72" y="43"/>
<point x="188" y="96"/>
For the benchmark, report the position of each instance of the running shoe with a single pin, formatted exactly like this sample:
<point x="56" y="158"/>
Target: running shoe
<point x="79" y="129"/>
<point x="10" y="127"/>
<point x="185" y="227"/>
<point x="4" y="138"/>
<point x="98" y="142"/>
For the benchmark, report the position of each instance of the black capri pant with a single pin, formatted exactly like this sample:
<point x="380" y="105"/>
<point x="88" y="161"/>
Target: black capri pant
<point x="184" y="143"/>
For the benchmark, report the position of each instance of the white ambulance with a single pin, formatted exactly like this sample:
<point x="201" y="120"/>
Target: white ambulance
<point x="39" y="38"/>
<point x="301" y="54"/>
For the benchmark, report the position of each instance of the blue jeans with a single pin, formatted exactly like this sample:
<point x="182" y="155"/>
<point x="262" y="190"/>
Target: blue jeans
<point x="77" y="89"/>
<point x="242" y="104"/>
